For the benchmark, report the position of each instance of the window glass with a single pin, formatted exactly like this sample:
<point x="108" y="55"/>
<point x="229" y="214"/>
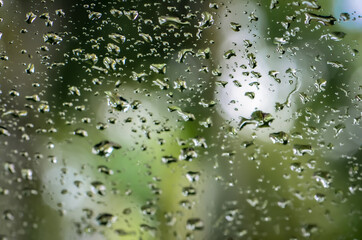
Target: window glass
<point x="180" y="119"/>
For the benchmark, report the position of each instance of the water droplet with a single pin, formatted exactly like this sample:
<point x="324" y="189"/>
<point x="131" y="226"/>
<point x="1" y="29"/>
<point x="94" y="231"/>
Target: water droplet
<point x="146" y="37"/>
<point x="235" y="26"/>
<point x="259" y="118"/>
<point x="323" y="177"/>
<point x="302" y="149"/>
<point x="113" y="48"/>
<point x="27" y="174"/>
<point x="94" y="15"/>
<point x="335" y="36"/>
<point x="30" y="17"/>
<point x="131" y="14"/>
<point x="8" y="215"/>
<point x="4" y="131"/>
<point x="110" y="63"/>
<point x="74" y="90"/>
<point x="213" y="5"/>
<point x="273" y="4"/>
<point x="139" y="77"/>
<point x="91" y="58"/>
<point x="188" y="191"/>
<point x="146" y="228"/>
<point x="169" y="159"/>
<point x="80" y="132"/>
<point x="252" y="61"/>
<point x="116" y="12"/>
<point x="253" y="17"/>
<point x="207" y="104"/>
<point x="180" y="84"/>
<point x="60" y="12"/>
<point x="296" y="167"/>
<point x="325" y="20"/>
<point x="338" y="129"/>
<point x="106" y="219"/>
<point x="203" y="53"/>
<point x="193" y="176"/>
<point x="230" y="53"/>
<point x="319" y="197"/>
<point x="280" y="40"/>
<point x="161" y="84"/>
<point x="283" y="203"/>
<point x="345" y="16"/>
<point x="188" y="154"/>
<point x="148" y="209"/>
<point x="159" y="68"/>
<point x="117" y="102"/>
<point x="43" y="108"/>
<point x="105" y="148"/>
<point x="251" y="95"/>
<point x="182" y="54"/>
<point x="30" y="69"/>
<point x="172" y="21"/>
<point x="52" y="38"/>
<point x="118" y="38"/>
<point x="335" y="64"/>
<point x="105" y="170"/>
<point x="194" y="224"/>
<point x="311" y="4"/>
<point x="279" y="137"/>
<point x="186" y="116"/>
<point x="207" y="20"/>
<point x="99" y="188"/>
<point x="309" y="229"/>
<point x="221" y="83"/>
<point x="34" y="98"/>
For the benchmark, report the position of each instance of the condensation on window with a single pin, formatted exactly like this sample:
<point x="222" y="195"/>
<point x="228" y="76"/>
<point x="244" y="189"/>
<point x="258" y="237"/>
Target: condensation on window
<point x="180" y="119"/>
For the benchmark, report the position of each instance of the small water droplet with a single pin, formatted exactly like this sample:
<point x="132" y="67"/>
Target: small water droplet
<point x="252" y="61"/>
<point x="106" y="219"/>
<point x="259" y="118"/>
<point x="302" y="149"/>
<point x="194" y="224"/>
<point x="296" y="167"/>
<point x="99" y="188"/>
<point x="168" y="159"/>
<point x="325" y="20"/>
<point x="193" y="176"/>
<point x="52" y="38"/>
<point x="345" y="16"/>
<point x="159" y="68"/>
<point x="80" y="132"/>
<point x="105" y="170"/>
<point x="117" y="102"/>
<point x="172" y="21"/>
<point x="118" y="38"/>
<point x="131" y="14"/>
<point x="230" y="53"/>
<point x="235" y="26"/>
<point x="30" y="17"/>
<point x="30" y="69"/>
<point x="319" y="197"/>
<point x="279" y="137"/>
<point x="116" y="12"/>
<point x="105" y="148"/>
<point x="207" y="20"/>
<point x="94" y="15"/>
<point x="186" y="116"/>
<point x="323" y="177"/>
<point x="311" y="4"/>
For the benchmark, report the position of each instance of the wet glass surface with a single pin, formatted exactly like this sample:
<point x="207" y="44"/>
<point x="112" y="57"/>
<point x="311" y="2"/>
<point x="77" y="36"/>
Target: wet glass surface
<point x="180" y="119"/>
